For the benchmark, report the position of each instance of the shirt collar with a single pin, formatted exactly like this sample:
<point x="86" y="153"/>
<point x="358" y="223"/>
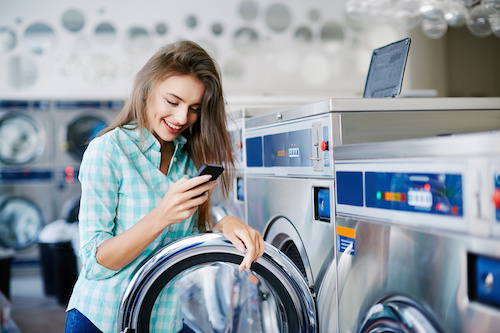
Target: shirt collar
<point x="148" y="141"/>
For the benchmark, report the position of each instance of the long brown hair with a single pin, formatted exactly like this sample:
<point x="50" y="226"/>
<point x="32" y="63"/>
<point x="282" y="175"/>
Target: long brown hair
<point x="208" y="139"/>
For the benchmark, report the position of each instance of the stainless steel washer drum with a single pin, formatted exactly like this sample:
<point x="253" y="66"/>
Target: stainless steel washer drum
<point x="215" y="297"/>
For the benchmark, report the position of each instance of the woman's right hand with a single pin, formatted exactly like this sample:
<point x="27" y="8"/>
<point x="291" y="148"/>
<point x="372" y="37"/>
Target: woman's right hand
<point x="178" y="204"/>
<point x="183" y="198"/>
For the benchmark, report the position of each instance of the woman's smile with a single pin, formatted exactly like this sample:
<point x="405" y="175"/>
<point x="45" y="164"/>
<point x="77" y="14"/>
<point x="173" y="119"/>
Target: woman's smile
<point x="174" y="105"/>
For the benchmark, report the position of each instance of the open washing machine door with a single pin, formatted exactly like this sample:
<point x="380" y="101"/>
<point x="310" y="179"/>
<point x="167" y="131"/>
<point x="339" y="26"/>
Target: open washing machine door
<point x="215" y="297"/>
<point x="397" y="315"/>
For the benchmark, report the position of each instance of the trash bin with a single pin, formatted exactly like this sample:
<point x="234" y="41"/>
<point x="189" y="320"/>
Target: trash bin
<point x="6" y="256"/>
<point x="58" y="260"/>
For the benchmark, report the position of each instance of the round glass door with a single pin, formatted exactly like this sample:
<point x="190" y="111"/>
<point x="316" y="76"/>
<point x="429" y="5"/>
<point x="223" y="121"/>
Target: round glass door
<point x="202" y="273"/>
<point x="20" y="222"/>
<point x="397" y="315"/>
<point x="80" y="132"/>
<point x="21" y="139"/>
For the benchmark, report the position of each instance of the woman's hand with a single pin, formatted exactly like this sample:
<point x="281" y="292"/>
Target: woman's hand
<point x="184" y="197"/>
<point x="246" y="239"/>
<point x="178" y="204"/>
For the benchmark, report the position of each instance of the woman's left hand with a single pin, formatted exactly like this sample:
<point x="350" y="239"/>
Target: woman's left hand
<point x="246" y="239"/>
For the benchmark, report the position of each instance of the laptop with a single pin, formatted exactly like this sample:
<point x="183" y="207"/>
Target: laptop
<point x="387" y="67"/>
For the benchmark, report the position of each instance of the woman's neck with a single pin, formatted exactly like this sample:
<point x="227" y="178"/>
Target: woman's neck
<point x="167" y="151"/>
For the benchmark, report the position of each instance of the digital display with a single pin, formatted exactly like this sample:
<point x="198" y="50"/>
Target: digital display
<point x="426" y="193"/>
<point x="288" y="149"/>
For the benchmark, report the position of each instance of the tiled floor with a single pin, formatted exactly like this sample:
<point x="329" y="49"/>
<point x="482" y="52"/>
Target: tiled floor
<point x="32" y="311"/>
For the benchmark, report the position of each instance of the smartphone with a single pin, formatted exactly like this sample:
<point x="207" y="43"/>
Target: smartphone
<point x="209" y="169"/>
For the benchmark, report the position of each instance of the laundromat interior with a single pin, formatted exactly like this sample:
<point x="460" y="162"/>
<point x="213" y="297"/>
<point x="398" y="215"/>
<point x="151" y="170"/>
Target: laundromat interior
<point x="366" y="144"/>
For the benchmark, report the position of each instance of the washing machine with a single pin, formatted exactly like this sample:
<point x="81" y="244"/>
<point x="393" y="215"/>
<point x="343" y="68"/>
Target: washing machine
<point x="289" y="175"/>
<point x="235" y="203"/>
<point x="418" y="236"/>
<point x="76" y="124"/>
<point x="25" y="134"/>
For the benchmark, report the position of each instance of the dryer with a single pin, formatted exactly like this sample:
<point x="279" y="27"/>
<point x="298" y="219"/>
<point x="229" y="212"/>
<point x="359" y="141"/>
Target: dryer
<point x="25" y="134"/>
<point x="76" y="124"/>
<point x="289" y="175"/>
<point x="418" y="235"/>
<point x="25" y="207"/>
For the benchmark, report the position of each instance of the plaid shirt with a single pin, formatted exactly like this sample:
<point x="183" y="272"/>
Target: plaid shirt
<point x="121" y="182"/>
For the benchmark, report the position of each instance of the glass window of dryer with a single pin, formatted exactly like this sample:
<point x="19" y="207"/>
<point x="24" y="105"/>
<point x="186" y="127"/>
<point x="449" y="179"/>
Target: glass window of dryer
<point x="20" y="222"/>
<point x="20" y="139"/>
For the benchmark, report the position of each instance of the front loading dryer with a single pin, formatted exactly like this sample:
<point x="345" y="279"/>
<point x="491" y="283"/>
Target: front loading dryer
<point x="289" y="190"/>
<point x="418" y="235"/>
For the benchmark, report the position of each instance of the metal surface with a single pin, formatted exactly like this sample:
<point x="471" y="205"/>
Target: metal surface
<point x="272" y="297"/>
<point x="286" y="170"/>
<point x="427" y="255"/>
<point x="285" y="214"/>
<point x="381" y="119"/>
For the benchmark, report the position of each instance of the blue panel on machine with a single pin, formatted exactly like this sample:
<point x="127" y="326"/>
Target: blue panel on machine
<point x="292" y="149"/>
<point x="350" y="188"/>
<point x="254" y="152"/>
<point x="486" y="279"/>
<point x="425" y="193"/>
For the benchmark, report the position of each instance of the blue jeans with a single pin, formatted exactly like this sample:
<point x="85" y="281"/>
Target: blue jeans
<point x="76" y="322"/>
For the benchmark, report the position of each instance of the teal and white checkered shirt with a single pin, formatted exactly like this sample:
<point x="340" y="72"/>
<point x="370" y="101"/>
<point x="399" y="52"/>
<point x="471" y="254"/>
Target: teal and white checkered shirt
<point x="121" y="182"/>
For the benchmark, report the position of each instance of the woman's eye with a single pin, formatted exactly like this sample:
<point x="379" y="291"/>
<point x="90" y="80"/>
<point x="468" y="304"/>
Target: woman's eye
<point x="172" y="103"/>
<point x="195" y="110"/>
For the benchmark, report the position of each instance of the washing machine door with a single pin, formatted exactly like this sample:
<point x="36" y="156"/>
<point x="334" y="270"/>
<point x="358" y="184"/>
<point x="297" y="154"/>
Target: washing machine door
<point x="21" y="221"/>
<point x="215" y="297"/>
<point x="21" y="139"/>
<point x="397" y="315"/>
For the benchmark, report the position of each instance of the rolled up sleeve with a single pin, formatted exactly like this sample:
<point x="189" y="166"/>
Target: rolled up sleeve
<point x="99" y="178"/>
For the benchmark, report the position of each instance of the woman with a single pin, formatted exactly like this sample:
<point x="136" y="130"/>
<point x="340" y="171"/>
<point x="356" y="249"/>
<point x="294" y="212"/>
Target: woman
<point x="137" y="190"/>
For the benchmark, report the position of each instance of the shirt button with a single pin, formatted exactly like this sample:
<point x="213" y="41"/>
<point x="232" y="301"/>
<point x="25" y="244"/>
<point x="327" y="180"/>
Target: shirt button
<point x="175" y="159"/>
<point x="171" y="229"/>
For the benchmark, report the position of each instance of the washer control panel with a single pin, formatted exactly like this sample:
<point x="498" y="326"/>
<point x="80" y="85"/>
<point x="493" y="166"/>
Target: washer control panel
<point x="434" y="193"/>
<point x="293" y="148"/>
<point x="416" y="193"/>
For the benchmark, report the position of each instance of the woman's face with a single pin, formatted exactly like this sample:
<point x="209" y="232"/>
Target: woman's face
<point x="174" y="105"/>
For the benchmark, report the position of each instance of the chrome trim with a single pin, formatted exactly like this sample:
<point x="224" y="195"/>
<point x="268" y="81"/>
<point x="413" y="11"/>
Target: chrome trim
<point x="473" y="144"/>
<point x="398" y="314"/>
<point x="377" y="105"/>
<point x="272" y="262"/>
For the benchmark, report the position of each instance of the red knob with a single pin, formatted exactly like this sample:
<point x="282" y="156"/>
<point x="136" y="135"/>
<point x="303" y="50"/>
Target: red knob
<point x="324" y="145"/>
<point x="496" y="198"/>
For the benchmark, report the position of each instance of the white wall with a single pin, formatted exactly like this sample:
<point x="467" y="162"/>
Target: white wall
<point x="77" y="65"/>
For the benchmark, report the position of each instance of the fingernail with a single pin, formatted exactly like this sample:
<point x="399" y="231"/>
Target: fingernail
<point x="241" y="248"/>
